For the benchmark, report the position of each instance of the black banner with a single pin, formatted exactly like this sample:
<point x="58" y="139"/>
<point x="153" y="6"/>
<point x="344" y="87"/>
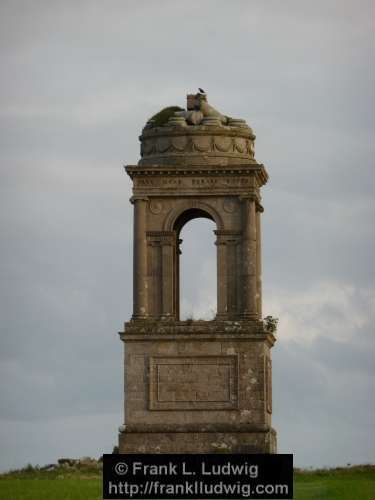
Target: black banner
<point x="197" y="476"/>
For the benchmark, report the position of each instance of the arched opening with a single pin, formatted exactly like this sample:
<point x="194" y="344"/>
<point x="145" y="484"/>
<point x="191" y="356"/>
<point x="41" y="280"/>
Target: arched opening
<point x="196" y="269"/>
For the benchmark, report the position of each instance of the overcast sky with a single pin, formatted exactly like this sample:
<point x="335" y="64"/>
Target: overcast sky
<point x="78" y="81"/>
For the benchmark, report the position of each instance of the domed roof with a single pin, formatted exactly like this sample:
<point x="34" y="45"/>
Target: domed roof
<point x="195" y="136"/>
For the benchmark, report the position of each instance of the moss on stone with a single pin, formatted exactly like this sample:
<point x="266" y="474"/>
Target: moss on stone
<point x="163" y="116"/>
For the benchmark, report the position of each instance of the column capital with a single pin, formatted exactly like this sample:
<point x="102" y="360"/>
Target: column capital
<point x="249" y="197"/>
<point x="162" y="237"/>
<point x="135" y="198"/>
<point x="227" y="237"/>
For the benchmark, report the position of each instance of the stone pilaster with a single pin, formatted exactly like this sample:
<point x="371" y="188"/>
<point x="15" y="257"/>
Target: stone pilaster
<point x="140" y="309"/>
<point x="249" y="279"/>
<point x="168" y="243"/>
<point x="222" y="298"/>
<point x="227" y="273"/>
<point x="155" y="276"/>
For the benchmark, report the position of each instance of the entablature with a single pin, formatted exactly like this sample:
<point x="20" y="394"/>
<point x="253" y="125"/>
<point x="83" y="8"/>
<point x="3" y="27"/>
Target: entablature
<point x="253" y="169"/>
<point x="166" y="180"/>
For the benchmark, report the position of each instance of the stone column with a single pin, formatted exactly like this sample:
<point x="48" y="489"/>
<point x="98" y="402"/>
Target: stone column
<point x="140" y="309"/>
<point x="249" y="284"/>
<point x="259" y="260"/>
<point x="222" y="273"/>
<point x="168" y="270"/>
<point x="177" y="253"/>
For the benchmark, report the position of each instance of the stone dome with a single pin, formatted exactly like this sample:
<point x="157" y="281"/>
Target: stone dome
<point x="199" y="135"/>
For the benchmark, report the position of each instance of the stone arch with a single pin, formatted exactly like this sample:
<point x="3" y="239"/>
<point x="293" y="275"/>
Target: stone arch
<point x="181" y="214"/>
<point x="192" y="205"/>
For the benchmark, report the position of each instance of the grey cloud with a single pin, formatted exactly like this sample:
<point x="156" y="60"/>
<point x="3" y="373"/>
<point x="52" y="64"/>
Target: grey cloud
<point x="79" y="80"/>
<point x="323" y="393"/>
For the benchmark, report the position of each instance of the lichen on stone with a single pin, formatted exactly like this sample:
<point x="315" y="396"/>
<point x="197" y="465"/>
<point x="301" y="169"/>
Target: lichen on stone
<point x="161" y="118"/>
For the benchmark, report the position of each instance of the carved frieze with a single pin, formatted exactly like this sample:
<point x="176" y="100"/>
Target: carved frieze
<point x="223" y="144"/>
<point x="210" y="185"/>
<point x="248" y="175"/>
<point x="179" y="143"/>
<point x="187" y="144"/>
<point x="200" y="144"/>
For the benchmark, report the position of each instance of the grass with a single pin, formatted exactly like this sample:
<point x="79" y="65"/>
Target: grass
<point x="349" y="483"/>
<point x="51" y="489"/>
<point x="84" y="483"/>
<point x="61" y="483"/>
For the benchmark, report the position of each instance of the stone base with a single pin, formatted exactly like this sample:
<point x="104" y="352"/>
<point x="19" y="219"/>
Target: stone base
<point x="200" y="387"/>
<point x="197" y="442"/>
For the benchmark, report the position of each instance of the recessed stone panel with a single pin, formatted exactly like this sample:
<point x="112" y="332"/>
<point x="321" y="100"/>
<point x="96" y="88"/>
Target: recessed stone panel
<point x="268" y="383"/>
<point x="193" y="383"/>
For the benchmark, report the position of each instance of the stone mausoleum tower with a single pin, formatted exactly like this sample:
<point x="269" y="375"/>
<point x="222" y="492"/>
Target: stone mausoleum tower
<point x="197" y="386"/>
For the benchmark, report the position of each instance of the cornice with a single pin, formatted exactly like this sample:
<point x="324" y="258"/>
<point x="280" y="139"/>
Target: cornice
<point x="257" y="169"/>
<point x="232" y="427"/>
<point x="236" y="330"/>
